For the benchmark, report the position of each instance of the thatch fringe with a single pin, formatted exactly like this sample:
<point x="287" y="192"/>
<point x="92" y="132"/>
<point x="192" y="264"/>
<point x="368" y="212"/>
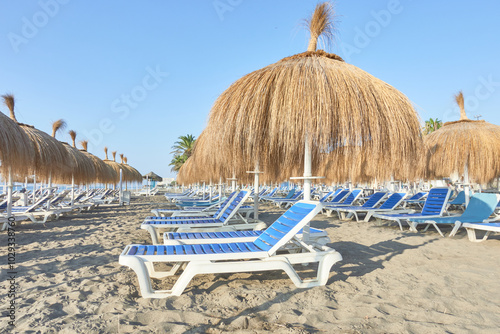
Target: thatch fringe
<point x="72" y="134"/>
<point x="58" y="125"/>
<point x="459" y="97"/>
<point x="321" y="24"/>
<point x="9" y="101"/>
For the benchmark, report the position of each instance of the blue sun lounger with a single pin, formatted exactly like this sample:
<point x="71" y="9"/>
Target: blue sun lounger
<point x="480" y="207"/>
<point x="275" y="249"/>
<point x="348" y="201"/>
<point x="350" y="211"/>
<point x="157" y="225"/>
<point x="434" y="206"/>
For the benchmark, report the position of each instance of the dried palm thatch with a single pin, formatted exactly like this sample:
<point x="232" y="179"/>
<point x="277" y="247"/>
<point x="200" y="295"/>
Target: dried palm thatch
<point x="352" y="119"/>
<point x="103" y="172"/>
<point x="16" y="148"/>
<point x="50" y="157"/>
<point x="79" y="166"/>
<point x="464" y="143"/>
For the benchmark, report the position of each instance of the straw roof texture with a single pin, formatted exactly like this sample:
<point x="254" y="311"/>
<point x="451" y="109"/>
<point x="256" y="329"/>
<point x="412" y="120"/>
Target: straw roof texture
<point x="464" y="142"/>
<point x="103" y="172"/>
<point x="352" y="119"/>
<point x="16" y="149"/>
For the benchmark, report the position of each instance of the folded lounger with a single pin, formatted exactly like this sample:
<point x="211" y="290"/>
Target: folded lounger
<point x="434" y="206"/>
<point x="268" y="252"/>
<point x="156" y="227"/>
<point x="481" y="206"/>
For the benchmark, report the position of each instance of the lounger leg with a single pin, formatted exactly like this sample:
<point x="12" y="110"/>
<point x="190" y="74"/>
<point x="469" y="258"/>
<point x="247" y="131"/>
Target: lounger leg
<point x="472" y="235"/>
<point x="430" y="222"/>
<point x="368" y="216"/>
<point x="399" y="223"/>
<point x="153" y="233"/>
<point x="457" y="226"/>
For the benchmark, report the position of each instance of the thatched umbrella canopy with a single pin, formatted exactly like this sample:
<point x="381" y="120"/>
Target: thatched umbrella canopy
<point x="467" y="147"/>
<point x="16" y="148"/>
<point x="315" y="106"/>
<point x="104" y="173"/>
<point x="49" y="154"/>
<point x="135" y="175"/>
<point x="152" y="176"/>
<point x="113" y="165"/>
<point x="79" y="165"/>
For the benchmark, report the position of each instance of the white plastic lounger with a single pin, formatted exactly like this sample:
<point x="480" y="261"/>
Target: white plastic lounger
<point x="480" y="207"/>
<point x="175" y="238"/>
<point x="473" y="227"/>
<point x="156" y="227"/>
<point x="434" y="206"/>
<point x="266" y="253"/>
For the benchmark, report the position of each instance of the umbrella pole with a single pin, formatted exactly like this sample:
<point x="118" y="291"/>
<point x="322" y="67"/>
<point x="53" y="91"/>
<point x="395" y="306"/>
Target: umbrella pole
<point x="9" y="194"/>
<point x="256" y="193"/>
<point x="210" y="191"/>
<point x="121" y="194"/>
<point x="466" y="185"/>
<point x="307" y="170"/>
<point x="220" y="188"/>
<point x="34" y="187"/>
<point x="72" y="190"/>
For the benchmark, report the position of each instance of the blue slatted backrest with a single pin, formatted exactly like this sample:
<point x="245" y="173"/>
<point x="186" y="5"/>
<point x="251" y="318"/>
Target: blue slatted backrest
<point x="322" y="199"/>
<point x="3" y="205"/>
<point x="223" y="205"/>
<point x="283" y="225"/>
<point x="234" y="203"/>
<point x="416" y="196"/>
<point x="374" y="199"/>
<point x="480" y="207"/>
<point x="352" y="196"/>
<point x="340" y="196"/>
<point x="392" y="201"/>
<point x="435" y="201"/>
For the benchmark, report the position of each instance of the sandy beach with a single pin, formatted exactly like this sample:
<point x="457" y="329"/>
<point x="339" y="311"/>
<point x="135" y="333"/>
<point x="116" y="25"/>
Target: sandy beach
<point x="69" y="281"/>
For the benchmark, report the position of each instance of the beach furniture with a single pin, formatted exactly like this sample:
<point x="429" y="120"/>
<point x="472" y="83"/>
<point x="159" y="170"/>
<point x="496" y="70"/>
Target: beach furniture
<point x="38" y="209"/>
<point x="157" y="225"/>
<point x="370" y="204"/>
<point x="279" y="201"/>
<point x="289" y="195"/>
<point x="389" y="205"/>
<point x="487" y="227"/>
<point x="181" y="238"/>
<point x="270" y="251"/>
<point x="348" y="201"/>
<point x="480" y="207"/>
<point x="206" y="211"/>
<point x="217" y="208"/>
<point x="459" y="200"/>
<point x="417" y="199"/>
<point x="434" y="206"/>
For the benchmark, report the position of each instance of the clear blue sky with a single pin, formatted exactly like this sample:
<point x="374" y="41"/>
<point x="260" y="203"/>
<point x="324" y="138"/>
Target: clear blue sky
<point x="135" y="75"/>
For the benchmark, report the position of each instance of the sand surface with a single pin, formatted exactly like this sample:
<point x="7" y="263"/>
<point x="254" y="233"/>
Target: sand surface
<point x="69" y="281"/>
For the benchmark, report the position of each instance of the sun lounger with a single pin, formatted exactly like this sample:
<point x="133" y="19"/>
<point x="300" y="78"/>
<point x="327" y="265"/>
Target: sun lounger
<point x="175" y="238"/>
<point x="480" y="207"/>
<point x="434" y="206"/>
<point x="390" y="204"/>
<point x="417" y="199"/>
<point x="157" y="225"/>
<point x="268" y="252"/>
<point x="350" y="211"/>
<point x="487" y="227"/>
<point x="348" y="201"/>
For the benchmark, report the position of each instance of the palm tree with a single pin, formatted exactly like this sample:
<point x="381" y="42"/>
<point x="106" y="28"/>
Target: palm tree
<point x="177" y="162"/>
<point x="432" y="125"/>
<point x="184" y="146"/>
<point x="182" y="150"/>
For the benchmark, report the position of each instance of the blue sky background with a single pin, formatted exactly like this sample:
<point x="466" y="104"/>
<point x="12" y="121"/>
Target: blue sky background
<point x="90" y="62"/>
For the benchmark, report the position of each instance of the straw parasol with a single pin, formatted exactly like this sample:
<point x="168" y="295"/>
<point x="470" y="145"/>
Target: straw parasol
<point x="16" y="149"/>
<point x="83" y="167"/>
<point x="49" y="154"/>
<point x="467" y="147"/>
<point x="104" y="173"/>
<point x="152" y="176"/>
<point x="314" y="107"/>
